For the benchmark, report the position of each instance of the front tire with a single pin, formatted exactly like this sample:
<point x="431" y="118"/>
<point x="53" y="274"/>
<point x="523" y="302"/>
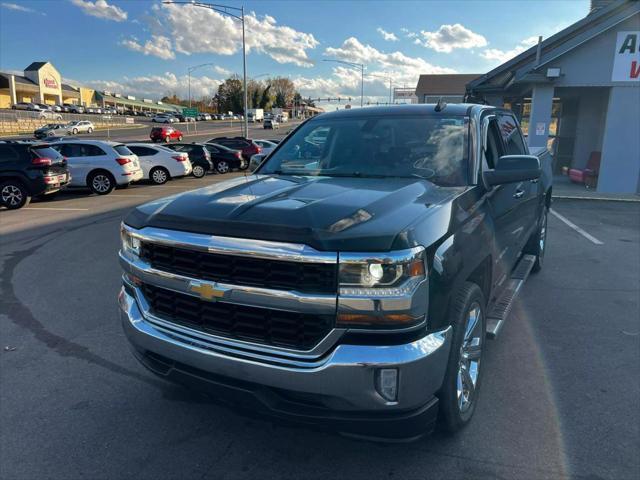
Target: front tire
<point x="459" y="393"/>
<point x="167" y="139"/>
<point x="180" y="138"/>
<point x="101" y="183"/>
<point x="198" y="171"/>
<point x="74" y="131"/>
<point x="14" y="195"/>
<point x="159" y="175"/>
<point x="537" y="244"/>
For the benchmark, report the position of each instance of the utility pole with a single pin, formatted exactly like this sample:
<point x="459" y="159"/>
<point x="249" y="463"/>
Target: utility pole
<point x="361" y="66"/>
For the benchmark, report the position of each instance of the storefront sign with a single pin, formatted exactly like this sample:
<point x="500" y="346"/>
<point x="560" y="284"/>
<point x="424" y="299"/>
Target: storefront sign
<point x="50" y="83"/>
<point x="626" y="62"/>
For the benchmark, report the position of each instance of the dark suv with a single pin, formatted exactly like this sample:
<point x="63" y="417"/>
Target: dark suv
<point x="199" y="156"/>
<point x="29" y="170"/>
<point x="247" y="146"/>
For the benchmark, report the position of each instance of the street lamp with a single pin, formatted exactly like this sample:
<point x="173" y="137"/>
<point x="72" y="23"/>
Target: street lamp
<point x="354" y="65"/>
<point x="191" y="69"/>
<point x="226" y="10"/>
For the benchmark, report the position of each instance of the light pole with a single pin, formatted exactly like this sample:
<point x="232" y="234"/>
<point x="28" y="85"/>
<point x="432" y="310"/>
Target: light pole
<point x="191" y="69"/>
<point x="386" y="76"/>
<point x="354" y="65"/>
<point x="226" y="10"/>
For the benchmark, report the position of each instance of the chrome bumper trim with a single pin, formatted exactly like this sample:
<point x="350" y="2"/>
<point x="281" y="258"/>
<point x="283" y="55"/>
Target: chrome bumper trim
<point x="232" y="346"/>
<point x="343" y="379"/>
<point x="245" y="247"/>
<point x="237" y="294"/>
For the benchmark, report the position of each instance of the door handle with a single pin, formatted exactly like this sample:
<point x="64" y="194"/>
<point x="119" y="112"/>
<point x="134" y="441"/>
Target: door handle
<point x="518" y="194"/>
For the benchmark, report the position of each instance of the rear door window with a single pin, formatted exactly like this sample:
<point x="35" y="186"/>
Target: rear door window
<point x="142" y="151"/>
<point x="8" y="154"/>
<point x="92" y="151"/>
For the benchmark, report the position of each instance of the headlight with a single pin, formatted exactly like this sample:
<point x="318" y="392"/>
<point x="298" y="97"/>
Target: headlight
<point x="386" y="290"/>
<point x="129" y="243"/>
<point x="394" y="273"/>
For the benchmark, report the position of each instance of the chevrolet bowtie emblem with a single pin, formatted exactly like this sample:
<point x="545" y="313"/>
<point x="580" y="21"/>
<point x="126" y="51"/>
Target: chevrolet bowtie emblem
<point x="206" y="290"/>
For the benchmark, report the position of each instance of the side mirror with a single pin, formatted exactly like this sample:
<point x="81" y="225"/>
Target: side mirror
<point x="513" y="168"/>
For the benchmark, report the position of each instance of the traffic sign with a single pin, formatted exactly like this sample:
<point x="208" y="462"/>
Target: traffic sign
<point x="190" y="112"/>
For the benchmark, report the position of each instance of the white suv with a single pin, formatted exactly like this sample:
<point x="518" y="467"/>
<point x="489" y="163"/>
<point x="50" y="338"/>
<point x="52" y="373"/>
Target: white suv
<point x="163" y="118"/>
<point x="159" y="163"/>
<point x="80" y="126"/>
<point x="99" y="165"/>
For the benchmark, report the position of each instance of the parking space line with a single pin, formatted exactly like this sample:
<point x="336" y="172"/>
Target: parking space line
<point x="573" y="226"/>
<point x="54" y="208"/>
<point x="129" y="195"/>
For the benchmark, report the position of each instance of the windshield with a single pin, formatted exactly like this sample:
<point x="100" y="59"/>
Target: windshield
<point x="435" y="148"/>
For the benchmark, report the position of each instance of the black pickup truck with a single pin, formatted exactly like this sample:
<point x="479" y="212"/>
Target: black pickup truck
<point x="352" y="280"/>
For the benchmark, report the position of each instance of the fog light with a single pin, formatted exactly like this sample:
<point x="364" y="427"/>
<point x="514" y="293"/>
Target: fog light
<point x="387" y="383"/>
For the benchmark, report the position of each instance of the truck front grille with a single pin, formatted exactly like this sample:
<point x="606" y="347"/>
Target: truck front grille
<point x="262" y="325"/>
<point x="237" y="270"/>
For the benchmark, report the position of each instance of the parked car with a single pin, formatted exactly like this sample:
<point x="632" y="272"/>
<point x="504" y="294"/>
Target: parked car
<point x="55" y="108"/>
<point x="225" y="159"/>
<point x="271" y="124"/>
<point x="163" y="118"/>
<point x="247" y="146"/>
<point x="99" y="165"/>
<point x="48" y="115"/>
<point x="29" y="170"/>
<point x="181" y="118"/>
<point x="80" y="126"/>
<point x="63" y="108"/>
<point x="267" y="146"/>
<point x="203" y="117"/>
<point x="25" y="106"/>
<point x="165" y="134"/>
<point x="44" y="107"/>
<point x="74" y="108"/>
<point x="160" y="164"/>
<point x="50" y="130"/>
<point x="199" y="157"/>
<point x="256" y="160"/>
<point x="362" y="284"/>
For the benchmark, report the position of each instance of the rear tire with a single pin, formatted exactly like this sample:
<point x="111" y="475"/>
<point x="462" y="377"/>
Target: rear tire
<point x="90" y="130"/>
<point x="537" y="244"/>
<point x="101" y="182"/>
<point x="198" y="171"/>
<point x="74" y="131"/>
<point x="167" y="139"/>
<point x="14" y="195"/>
<point x="159" y="175"/>
<point x="180" y="138"/>
<point x="222" y="167"/>
<point x="459" y="393"/>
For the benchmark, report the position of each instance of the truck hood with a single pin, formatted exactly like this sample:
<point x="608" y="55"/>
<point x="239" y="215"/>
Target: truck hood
<point x="327" y="213"/>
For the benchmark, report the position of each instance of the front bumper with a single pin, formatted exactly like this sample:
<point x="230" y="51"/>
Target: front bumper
<point x="336" y="390"/>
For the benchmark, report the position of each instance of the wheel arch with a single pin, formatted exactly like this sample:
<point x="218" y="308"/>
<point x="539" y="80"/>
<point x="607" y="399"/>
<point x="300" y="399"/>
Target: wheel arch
<point x="95" y="171"/>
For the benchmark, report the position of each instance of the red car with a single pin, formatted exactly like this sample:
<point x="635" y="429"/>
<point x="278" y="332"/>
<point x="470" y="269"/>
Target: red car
<point x="165" y="134"/>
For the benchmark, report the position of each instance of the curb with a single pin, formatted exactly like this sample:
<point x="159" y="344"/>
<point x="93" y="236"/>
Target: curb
<point x="601" y="199"/>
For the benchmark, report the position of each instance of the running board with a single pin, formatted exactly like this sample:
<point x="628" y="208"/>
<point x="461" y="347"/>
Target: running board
<point x="502" y="307"/>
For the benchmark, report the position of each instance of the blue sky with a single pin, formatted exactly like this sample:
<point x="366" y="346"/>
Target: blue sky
<point x="145" y="47"/>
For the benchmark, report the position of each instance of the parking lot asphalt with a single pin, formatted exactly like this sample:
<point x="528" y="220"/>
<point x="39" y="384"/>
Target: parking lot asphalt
<point x="559" y="400"/>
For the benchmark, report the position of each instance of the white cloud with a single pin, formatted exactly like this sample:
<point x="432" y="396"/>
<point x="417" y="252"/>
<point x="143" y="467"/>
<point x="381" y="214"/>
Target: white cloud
<point x="448" y="37"/>
<point x="500" y="56"/>
<point x="388" y="36"/>
<point x="222" y="71"/>
<point x="101" y="9"/>
<point x="156" y="86"/>
<point x="345" y="82"/>
<point x="19" y="8"/>
<point x="158" y="46"/>
<point x="200" y="30"/>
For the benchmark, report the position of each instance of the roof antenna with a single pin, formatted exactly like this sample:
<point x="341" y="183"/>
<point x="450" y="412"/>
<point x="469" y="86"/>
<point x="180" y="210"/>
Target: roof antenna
<point x="441" y="105"/>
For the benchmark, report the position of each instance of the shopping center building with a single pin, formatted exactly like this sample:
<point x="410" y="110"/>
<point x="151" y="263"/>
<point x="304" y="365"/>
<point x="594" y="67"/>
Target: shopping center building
<point x="578" y="93"/>
<point x="42" y="83"/>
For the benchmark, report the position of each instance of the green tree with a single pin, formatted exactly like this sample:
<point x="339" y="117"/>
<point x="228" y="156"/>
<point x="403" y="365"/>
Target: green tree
<point x="265" y="100"/>
<point x="230" y="95"/>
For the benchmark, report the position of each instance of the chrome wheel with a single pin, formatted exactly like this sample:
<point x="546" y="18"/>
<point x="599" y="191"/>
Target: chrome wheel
<point x="101" y="183"/>
<point x="542" y="240"/>
<point x="198" y="171"/>
<point x="470" y="353"/>
<point x="222" y="167"/>
<point x="159" y="176"/>
<point x="11" y="196"/>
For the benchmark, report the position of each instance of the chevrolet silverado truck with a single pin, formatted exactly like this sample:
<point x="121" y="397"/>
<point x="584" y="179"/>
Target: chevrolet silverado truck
<point x="353" y="279"/>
